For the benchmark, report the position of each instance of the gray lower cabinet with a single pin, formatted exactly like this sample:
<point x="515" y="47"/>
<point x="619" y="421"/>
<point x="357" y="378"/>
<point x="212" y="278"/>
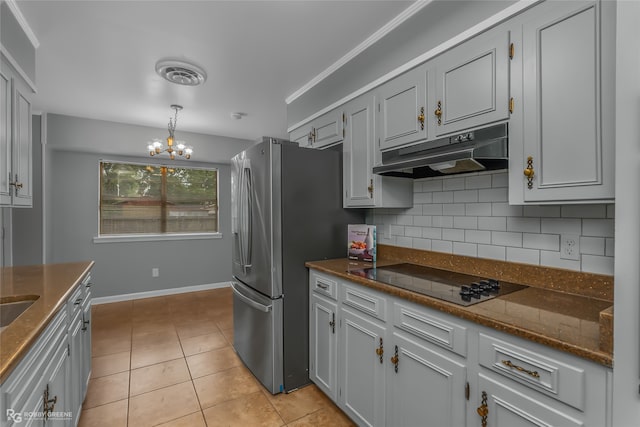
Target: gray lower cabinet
<point x="562" y="133"/>
<point x="396" y="363"/>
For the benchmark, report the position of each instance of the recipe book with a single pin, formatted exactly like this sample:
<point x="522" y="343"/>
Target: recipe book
<point x="362" y="242"/>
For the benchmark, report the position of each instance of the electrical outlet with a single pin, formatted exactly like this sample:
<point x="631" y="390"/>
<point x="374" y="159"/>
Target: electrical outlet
<point x="570" y="246"/>
<point x="155" y="272"/>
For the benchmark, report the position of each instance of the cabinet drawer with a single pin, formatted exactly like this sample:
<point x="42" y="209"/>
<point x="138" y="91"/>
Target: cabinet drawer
<point x="557" y="379"/>
<point x="322" y="284"/>
<point x="420" y="322"/>
<point x="364" y="300"/>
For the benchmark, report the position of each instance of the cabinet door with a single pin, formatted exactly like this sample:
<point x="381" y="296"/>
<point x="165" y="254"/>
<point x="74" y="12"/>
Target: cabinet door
<point x="22" y="144"/>
<point x="362" y="381"/>
<point x="75" y="348"/>
<point x="328" y="129"/>
<point x="323" y="345"/>
<point x="428" y="388"/>
<point x="58" y="388"/>
<point x="5" y="137"/>
<point x="86" y="343"/>
<point x="358" y="153"/>
<point x="302" y="136"/>
<point x="510" y="407"/>
<point x="472" y="84"/>
<point x="566" y="130"/>
<point x="401" y="109"/>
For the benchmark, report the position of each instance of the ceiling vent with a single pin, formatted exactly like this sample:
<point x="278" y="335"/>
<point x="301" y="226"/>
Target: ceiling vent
<point x="180" y="72"/>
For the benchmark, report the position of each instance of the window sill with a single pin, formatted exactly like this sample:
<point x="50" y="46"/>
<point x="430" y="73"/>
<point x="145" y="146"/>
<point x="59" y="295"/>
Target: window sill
<point x="121" y="238"/>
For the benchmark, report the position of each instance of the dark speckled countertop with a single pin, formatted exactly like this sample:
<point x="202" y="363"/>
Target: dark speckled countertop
<point x="572" y="320"/>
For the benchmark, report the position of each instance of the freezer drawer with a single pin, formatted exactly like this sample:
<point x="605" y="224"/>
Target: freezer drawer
<point x="257" y="334"/>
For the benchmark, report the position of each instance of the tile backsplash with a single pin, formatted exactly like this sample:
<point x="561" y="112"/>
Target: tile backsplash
<point x="470" y="215"/>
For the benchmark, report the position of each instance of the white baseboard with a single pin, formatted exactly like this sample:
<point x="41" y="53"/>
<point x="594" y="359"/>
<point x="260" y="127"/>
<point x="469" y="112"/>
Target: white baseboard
<point x="159" y="293"/>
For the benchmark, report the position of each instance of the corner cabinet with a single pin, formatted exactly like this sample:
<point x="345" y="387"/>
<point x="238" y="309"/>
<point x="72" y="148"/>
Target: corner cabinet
<point x="15" y="139"/>
<point x="362" y="188"/>
<point x="563" y="133"/>
<point x="392" y="362"/>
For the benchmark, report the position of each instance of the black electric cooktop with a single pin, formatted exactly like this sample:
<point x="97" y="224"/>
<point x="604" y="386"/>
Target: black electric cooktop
<point x="458" y="288"/>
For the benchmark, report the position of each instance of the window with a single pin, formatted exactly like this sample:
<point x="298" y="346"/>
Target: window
<point x="151" y="199"/>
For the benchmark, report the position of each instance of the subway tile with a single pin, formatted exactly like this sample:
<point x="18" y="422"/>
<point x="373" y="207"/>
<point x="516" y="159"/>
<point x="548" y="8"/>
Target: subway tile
<point x="396" y="230"/>
<point x="465" y="196"/>
<point x="432" y="209"/>
<point x="500" y="179"/>
<point x="386" y="240"/>
<point x="493" y="195"/>
<point x="597" y="264"/>
<point x="492" y="252"/>
<point x="424" y="244"/>
<point x="478" y="209"/>
<point x="449" y="184"/>
<point x="442" y="246"/>
<point x="506" y="238"/>
<point x="422" y="221"/>
<point x="442" y="221"/>
<point x="477" y="236"/>
<point x="453" y="234"/>
<point x="432" y="233"/>
<point x="561" y="226"/>
<point x="598" y="227"/>
<point x="453" y="209"/>
<point x="422" y="198"/>
<point x="403" y="241"/>
<point x="476" y="182"/>
<point x="432" y="184"/>
<point x="584" y="211"/>
<point x="416" y="209"/>
<point x="492" y="223"/>
<point x="413" y="231"/>
<point x="527" y="256"/>
<point x="505" y="209"/>
<point x="609" y="247"/>
<point x="552" y="259"/>
<point x="525" y="225"/>
<point x="467" y="249"/>
<point x="404" y="220"/>
<point x="611" y="211"/>
<point x="592" y="245"/>
<point x="443" y="197"/>
<point x="542" y="211"/>
<point x="417" y="186"/>
<point x="468" y="222"/>
<point x="548" y="242"/>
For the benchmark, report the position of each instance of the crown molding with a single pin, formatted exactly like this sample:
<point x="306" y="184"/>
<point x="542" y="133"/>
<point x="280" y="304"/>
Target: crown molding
<point x="13" y="7"/>
<point x="383" y="31"/>
<point x="5" y="53"/>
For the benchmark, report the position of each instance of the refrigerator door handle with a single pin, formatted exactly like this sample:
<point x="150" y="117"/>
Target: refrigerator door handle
<point x="247" y="184"/>
<point x="249" y="301"/>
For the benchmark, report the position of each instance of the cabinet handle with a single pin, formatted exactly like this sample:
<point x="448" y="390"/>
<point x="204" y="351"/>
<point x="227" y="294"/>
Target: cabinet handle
<point x="312" y="136"/>
<point x="483" y="410"/>
<point x="322" y="286"/>
<point x="47" y="401"/>
<point x="533" y="374"/>
<point x="17" y="185"/>
<point x="421" y="118"/>
<point x="438" y="113"/>
<point x="380" y="351"/>
<point x="395" y="360"/>
<point x="78" y="301"/>
<point x="333" y="323"/>
<point x="529" y="172"/>
<point x="370" y="189"/>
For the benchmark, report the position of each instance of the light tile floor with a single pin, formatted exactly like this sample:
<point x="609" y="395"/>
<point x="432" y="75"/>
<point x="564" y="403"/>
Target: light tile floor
<point x="169" y="361"/>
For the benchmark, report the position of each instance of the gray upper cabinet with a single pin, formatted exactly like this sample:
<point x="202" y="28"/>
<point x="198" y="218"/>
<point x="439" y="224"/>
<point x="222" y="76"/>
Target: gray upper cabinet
<point x="564" y="142"/>
<point x="6" y="190"/>
<point x="472" y="84"/>
<point x="401" y="109"/>
<point x="323" y="131"/>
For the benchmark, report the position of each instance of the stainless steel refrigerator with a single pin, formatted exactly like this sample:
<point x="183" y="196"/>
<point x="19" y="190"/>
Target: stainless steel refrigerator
<point x="286" y="209"/>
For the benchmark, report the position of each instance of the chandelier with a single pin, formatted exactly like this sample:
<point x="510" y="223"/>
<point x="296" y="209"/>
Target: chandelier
<point x="173" y="147"/>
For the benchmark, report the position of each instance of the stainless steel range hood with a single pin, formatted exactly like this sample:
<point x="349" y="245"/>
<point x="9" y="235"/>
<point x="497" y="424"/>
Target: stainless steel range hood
<point x="481" y="149"/>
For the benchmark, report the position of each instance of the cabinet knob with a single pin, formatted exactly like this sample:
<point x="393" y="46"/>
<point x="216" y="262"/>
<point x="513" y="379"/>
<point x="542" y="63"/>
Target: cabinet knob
<point x="483" y="410"/>
<point x="370" y="188"/>
<point x="48" y="404"/>
<point x="529" y="172"/>
<point x="380" y="351"/>
<point x="15" y="184"/>
<point x="438" y="113"/>
<point x="421" y="118"/>
<point x="395" y="359"/>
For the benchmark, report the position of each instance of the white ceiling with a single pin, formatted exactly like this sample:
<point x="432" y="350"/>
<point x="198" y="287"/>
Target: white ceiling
<point x="97" y="58"/>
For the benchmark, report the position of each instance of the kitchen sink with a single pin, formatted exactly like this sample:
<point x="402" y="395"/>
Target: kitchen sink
<point x="12" y="307"/>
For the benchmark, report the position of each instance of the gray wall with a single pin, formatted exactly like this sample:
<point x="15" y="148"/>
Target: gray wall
<point x="71" y="167"/>
<point x="16" y="42"/>
<point x="27" y="223"/>
<point x="432" y="25"/>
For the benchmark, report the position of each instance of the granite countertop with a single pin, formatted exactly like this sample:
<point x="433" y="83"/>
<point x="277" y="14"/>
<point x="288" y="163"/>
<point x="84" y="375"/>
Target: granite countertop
<point x="577" y="324"/>
<point x="52" y="285"/>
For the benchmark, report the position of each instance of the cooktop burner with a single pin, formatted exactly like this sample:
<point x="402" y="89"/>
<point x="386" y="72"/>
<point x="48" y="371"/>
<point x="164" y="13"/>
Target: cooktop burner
<point x="458" y="288"/>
